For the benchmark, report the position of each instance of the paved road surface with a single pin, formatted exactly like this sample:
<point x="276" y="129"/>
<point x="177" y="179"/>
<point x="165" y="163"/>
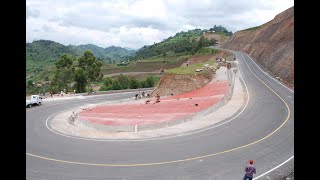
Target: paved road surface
<point x="263" y="132"/>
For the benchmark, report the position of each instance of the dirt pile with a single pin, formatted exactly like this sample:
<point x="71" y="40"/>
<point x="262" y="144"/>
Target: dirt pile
<point x="271" y="45"/>
<point x="176" y="83"/>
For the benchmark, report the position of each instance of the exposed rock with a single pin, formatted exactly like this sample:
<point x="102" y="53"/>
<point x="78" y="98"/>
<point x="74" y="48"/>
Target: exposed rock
<point x="271" y="45"/>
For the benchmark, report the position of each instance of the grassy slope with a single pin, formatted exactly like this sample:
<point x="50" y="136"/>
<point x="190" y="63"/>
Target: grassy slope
<point x="147" y="65"/>
<point x="191" y="69"/>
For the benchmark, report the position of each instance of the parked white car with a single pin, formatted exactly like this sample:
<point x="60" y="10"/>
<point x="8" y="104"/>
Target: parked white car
<point x="34" y="100"/>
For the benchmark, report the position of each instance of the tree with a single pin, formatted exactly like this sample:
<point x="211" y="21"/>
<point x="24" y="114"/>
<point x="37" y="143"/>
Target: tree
<point x="30" y="83"/>
<point x="164" y="56"/>
<point x="91" y="67"/>
<point x="63" y="74"/>
<point x="64" y="61"/>
<point x="80" y="79"/>
<point x="63" y="77"/>
<point x="201" y="42"/>
<point x="221" y="29"/>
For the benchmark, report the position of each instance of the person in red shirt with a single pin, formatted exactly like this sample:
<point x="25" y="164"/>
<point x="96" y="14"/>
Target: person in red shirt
<point x="249" y="171"/>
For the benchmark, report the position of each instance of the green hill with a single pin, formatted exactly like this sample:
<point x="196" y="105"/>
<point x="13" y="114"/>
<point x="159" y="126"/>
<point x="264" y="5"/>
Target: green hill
<point x="46" y="50"/>
<point x="105" y="54"/>
<point x="42" y="54"/>
<point x="184" y="42"/>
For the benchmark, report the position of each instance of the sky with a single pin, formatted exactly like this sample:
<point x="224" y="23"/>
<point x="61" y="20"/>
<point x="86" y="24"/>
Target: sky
<point x="135" y="23"/>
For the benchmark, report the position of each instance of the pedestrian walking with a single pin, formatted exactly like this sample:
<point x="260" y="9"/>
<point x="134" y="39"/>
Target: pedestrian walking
<point x="250" y="169"/>
<point x="158" y="98"/>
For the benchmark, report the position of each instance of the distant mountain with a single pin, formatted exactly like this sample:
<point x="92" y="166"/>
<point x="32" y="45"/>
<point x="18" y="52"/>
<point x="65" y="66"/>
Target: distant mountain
<point x="109" y="53"/>
<point x="118" y="52"/>
<point x="96" y="50"/>
<point x="46" y="50"/>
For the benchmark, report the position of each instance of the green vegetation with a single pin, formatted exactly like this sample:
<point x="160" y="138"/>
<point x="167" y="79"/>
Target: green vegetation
<point x="33" y="66"/>
<point x="46" y="50"/>
<point x="125" y="82"/>
<point x="70" y="73"/>
<point x="109" y="54"/>
<point x="147" y="65"/>
<point x="221" y="30"/>
<point x="41" y="56"/>
<point x="191" y="69"/>
<point x="181" y="42"/>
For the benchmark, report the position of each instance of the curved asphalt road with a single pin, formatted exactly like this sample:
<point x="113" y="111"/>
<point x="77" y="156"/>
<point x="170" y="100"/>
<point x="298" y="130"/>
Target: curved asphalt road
<point x="264" y="132"/>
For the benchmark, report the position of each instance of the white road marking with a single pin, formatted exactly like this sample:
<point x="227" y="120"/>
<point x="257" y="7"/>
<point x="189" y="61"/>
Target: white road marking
<point x="267" y="73"/>
<point x="273" y="168"/>
<point x="284" y="161"/>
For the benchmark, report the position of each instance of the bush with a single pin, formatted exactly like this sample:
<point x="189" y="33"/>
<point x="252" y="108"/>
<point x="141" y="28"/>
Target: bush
<point x="134" y="83"/>
<point x="143" y="84"/>
<point x="150" y="81"/>
<point x="116" y="85"/>
<point x="124" y="81"/>
<point x="105" y="88"/>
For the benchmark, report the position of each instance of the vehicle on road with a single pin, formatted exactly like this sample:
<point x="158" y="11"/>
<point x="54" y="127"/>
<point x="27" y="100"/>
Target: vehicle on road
<point x="34" y="100"/>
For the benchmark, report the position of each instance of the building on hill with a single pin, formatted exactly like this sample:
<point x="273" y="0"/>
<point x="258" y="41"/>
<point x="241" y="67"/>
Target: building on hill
<point x="208" y="32"/>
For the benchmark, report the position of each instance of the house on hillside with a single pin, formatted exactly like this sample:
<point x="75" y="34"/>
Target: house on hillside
<point x="208" y="32"/>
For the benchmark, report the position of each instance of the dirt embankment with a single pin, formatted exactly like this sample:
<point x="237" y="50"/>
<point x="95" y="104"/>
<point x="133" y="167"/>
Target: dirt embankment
<point x="271" y="45"/>
<point x="176" y="84"/>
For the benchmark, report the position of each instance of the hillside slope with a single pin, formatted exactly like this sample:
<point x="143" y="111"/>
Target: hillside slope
<point x="185" y="42"/>
<point x="107" y="54"/>
<point x="47" y="50"/>
<point x="181" y="83"/>
<point x="271" y="45"/>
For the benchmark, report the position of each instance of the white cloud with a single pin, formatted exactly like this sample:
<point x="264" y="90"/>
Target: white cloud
<point x="134" y="23"/>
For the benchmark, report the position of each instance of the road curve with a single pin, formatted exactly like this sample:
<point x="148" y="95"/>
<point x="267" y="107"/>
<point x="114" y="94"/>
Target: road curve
<point x="264" y="132"/>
